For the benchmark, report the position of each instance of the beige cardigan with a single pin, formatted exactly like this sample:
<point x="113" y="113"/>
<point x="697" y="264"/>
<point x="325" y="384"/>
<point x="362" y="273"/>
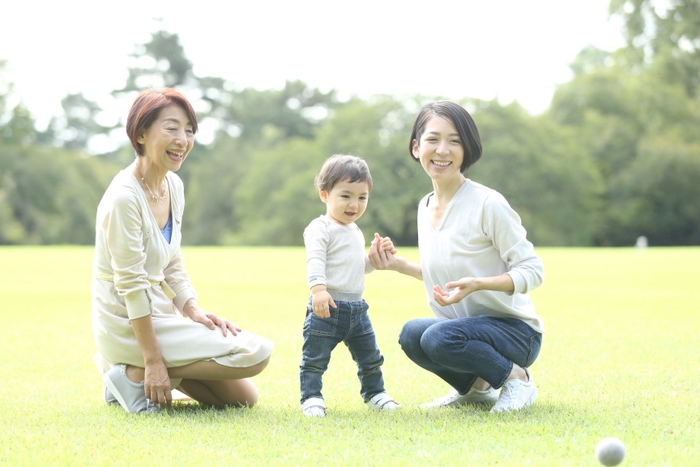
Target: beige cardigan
<point x="137" y="273"/>
<point x="130" y="250"/>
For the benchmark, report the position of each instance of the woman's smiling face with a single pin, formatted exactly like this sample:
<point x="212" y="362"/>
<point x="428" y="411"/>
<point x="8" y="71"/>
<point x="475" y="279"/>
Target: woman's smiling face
<point x="440" y="149"/>
<point x="169" y="139"/>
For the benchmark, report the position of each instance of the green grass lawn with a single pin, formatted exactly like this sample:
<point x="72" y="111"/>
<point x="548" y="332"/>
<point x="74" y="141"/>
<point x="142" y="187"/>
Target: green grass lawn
<point x="619" y="358"/>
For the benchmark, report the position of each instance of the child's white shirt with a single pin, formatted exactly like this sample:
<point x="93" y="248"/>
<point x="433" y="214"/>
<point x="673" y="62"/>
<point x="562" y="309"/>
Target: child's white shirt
<point x="336" y="257"/>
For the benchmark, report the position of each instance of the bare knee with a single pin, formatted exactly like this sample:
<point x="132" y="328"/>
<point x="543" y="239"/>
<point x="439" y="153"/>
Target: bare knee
<point x="245" y="394"/>
<point x="221" y="394"/>
<point x="259" y="367"/>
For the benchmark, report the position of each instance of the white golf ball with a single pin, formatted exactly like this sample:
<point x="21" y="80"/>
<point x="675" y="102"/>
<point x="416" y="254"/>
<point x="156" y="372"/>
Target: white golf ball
<point x="610" y="451"/>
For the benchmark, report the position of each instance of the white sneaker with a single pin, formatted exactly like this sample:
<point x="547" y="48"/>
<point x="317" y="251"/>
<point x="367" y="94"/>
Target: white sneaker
<point x="382" y="402"/>
<point x="109" y="397"/>
<point x="455" y="399"/>
<point x="130" y="395"/>
<point x="516" y="395"/>
<point x="314" y="407"/>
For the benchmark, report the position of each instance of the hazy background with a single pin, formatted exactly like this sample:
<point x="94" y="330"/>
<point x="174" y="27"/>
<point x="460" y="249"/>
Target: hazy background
<point x="588" y="111"/>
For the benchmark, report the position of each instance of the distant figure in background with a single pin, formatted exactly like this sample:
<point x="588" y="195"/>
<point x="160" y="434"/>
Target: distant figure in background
<point x="642" y="242"/>
<point x="477" y="266"/>
<point x="150" y="333"/>
<point x="336" y="264"/>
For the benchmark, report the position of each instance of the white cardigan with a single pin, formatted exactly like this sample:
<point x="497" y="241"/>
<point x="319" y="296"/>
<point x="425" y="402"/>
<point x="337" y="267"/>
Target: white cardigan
<point x="136" y="272"/>
<point x="479" y="235"/>
<point x="130" y="251"/>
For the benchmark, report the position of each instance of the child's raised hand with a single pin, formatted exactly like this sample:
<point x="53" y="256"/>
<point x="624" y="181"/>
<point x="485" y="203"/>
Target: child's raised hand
<point x="388" y="245"/>
<point x="321" y="303"/>
<point x="383" y="243"/>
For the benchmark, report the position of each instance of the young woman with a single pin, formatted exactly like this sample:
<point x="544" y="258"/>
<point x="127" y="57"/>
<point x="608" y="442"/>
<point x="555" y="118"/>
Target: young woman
<point x="477" y="266"/>
<point x="150" y="333"/>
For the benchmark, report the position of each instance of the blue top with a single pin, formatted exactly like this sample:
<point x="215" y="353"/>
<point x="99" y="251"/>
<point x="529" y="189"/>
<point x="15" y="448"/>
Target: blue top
<point x="168" y="230"/>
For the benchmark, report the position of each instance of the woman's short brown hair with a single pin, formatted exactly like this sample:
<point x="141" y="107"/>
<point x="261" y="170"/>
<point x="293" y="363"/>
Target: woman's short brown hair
<point x="146" y="108"/>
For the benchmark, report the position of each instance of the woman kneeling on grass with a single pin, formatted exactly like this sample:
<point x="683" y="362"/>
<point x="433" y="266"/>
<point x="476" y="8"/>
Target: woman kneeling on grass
<point x="477" y="266"/>
<point x="151" y="335"/>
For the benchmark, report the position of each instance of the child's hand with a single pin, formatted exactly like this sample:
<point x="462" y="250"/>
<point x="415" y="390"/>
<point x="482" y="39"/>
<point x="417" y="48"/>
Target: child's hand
<point x="321" y="302"/>
<point x="384" y="244"/>
<point x="388" y="245"/>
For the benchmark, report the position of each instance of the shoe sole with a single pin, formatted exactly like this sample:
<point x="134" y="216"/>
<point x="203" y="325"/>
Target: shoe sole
<point x="455" y="404"/>
<point x="113" y="389"/>
<point x="527" y="404"/>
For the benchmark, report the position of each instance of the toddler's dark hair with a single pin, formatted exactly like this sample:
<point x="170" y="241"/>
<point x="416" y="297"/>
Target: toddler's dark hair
<point x="342" y="168"/>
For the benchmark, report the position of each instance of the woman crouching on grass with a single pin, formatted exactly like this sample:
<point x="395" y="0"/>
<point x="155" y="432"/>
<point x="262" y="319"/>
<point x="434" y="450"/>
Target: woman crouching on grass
<point x="151" y="335"/>
<point x="477" y="266"/>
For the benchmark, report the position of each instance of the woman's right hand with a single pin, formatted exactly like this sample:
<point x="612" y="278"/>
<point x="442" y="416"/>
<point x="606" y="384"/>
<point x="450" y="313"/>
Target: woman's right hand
<point x="157" y="384"/>
<point x="383" y="259"/>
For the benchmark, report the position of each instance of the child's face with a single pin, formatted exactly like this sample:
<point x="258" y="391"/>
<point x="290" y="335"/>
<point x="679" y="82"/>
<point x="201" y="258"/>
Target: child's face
<point x="346" y="202"/>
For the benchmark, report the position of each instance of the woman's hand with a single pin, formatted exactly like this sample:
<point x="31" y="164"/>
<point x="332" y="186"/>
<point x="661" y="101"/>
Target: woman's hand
<point x="210" y="320"/>
<point x="156" y="384"/>
<point x="458" y="290"/>
<point x="466" y="285"/>
<point x="382" y="255"/>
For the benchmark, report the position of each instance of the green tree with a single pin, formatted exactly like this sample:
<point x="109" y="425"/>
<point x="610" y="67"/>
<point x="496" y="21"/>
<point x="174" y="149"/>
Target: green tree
<point x="296" y="110"/>
<point x="543" y="171"/>
<point x="11" y="230"/>
<point x="49" y="195"/>
<point x="662" y="187"/>
<point x="211" y="175"/>
<point x="20" y="129"/>
<point x="161" y="62"/>
<point x="616" y="111"/>
<point x="665" y="34"/>
<point x="79" y="123"/>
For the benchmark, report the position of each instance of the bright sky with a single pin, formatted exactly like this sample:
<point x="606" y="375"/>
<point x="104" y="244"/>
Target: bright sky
<point x="505" y="49"/>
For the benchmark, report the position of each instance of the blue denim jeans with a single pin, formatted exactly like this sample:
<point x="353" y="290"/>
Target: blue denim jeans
<point x="460" y="350"/>
<point x="350" y="324"/>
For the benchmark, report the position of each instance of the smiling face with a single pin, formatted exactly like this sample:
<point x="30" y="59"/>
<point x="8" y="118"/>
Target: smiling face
<point x="169" y="139"/>
<point x="440" y="149"/>
<point x="346" y="201"/>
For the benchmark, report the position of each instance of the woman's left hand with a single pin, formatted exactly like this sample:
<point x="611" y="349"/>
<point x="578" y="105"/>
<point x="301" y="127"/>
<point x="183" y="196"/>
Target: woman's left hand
<point x="458" y="290"/>
<point x="210" y="320"/>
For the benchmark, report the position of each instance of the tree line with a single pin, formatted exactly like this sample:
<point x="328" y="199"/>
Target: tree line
<point x="614" y="157"/>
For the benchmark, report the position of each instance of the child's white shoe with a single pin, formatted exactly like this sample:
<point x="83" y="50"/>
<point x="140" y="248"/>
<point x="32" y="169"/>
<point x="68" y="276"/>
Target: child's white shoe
<point x="314" y="407"/>
<point x="383" y="402"/>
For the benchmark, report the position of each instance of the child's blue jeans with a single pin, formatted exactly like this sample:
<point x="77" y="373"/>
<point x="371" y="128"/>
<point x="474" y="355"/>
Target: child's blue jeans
<point x="350" y="324"/>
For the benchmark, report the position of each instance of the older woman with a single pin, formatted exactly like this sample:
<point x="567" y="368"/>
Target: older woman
<point x="477" y="266"/>
<point x="150" y="332"/>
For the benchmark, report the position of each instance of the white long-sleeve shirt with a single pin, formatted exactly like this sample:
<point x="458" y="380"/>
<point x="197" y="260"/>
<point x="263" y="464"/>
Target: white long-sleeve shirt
<point x="479" y="235"/>
<point x="336" y="257"/>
